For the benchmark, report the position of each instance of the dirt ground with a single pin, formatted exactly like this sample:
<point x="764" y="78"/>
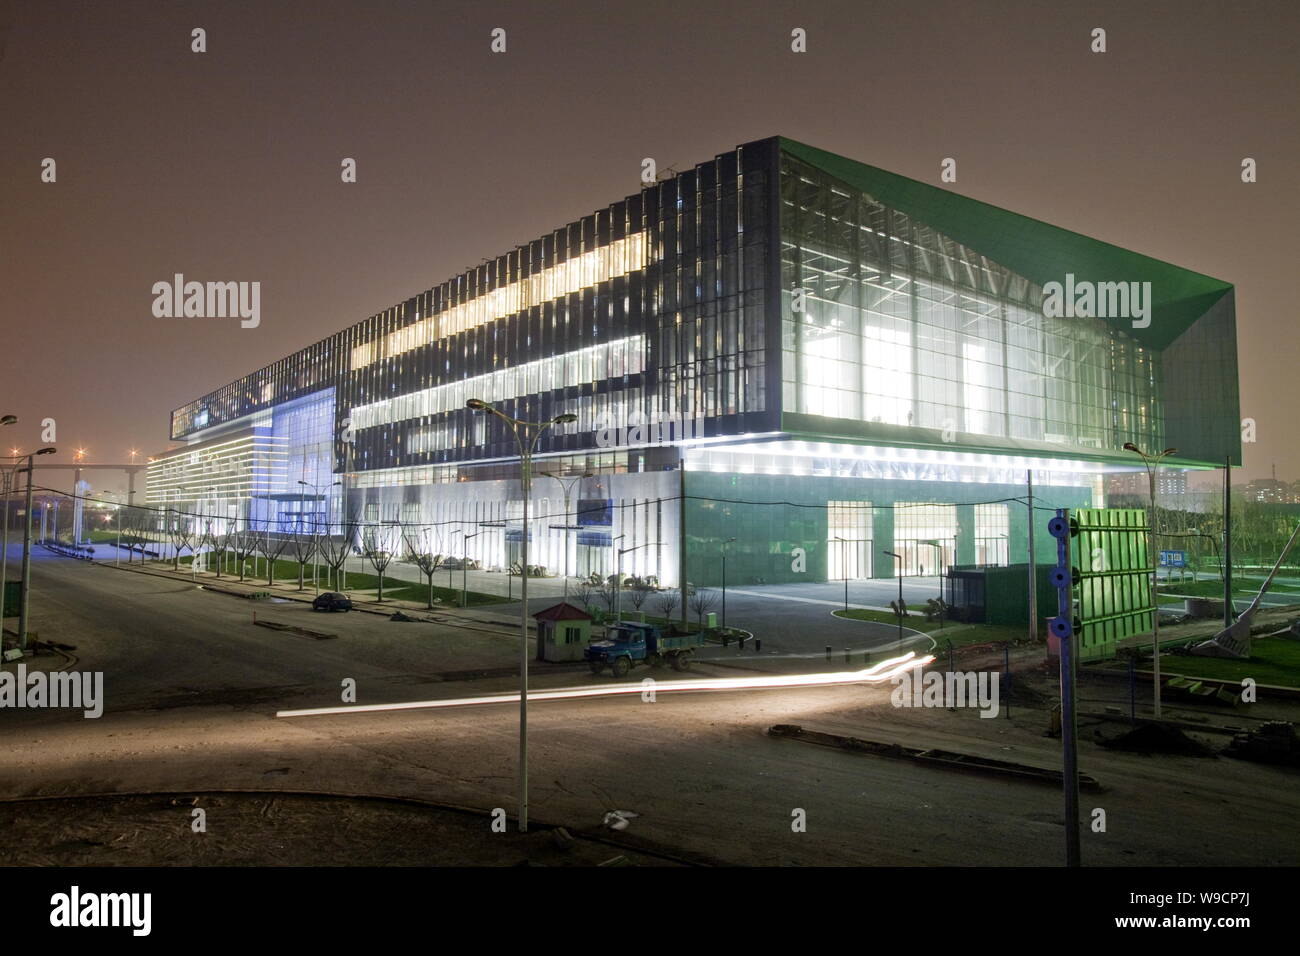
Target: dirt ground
<point x="272" y="829"/>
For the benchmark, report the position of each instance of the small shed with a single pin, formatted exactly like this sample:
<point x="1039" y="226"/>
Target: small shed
<point x="563" y="632"/>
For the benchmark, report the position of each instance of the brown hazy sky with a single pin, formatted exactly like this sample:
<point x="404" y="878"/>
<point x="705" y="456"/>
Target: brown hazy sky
<point x="225" y="165"/>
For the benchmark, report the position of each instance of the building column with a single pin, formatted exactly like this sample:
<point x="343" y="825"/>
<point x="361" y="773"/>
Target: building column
<point x="965" y="534"/>
<point x="882" y="533"/>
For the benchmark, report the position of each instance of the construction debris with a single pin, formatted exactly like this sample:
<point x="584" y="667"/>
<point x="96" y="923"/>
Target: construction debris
<point x="1273" y="742"/>
<point x="1234" y="641"/>
<point x="619" y="819"/>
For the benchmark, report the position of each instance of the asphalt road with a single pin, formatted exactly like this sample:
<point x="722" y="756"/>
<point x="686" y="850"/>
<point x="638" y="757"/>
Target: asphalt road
<point x="193" y="689"/>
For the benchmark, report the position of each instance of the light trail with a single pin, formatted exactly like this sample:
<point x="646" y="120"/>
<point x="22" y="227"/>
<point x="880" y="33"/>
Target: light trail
<point x="877" y="673"/>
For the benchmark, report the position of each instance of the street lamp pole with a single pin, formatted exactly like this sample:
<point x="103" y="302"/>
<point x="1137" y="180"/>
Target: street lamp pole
<point x="464" y="570"/>
<point x="27" y="552"/>
<point x="10" y="479"/>
<point x="844" y="560"/>
<point x="938" y="564"/>
<point x="898" y="572"/>
<point x="1152" y="463"/>
<point x="568" y="489"/>
<point x="618" y="580"/>
<point x="723" y="551"/>
<point x="618" y="574"/>
<point x="521" y="429"/>
<point x="10" y="475"/>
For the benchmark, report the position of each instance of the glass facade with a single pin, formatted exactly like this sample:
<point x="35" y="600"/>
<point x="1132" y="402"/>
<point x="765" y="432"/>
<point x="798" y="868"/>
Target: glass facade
<point x="650" y="310"/>
<point x="887" y="321"/>
<point x="830" y="359"/>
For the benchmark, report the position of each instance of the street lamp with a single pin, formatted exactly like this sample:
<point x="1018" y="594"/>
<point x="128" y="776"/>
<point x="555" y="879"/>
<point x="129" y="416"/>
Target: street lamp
<point x="618" y="576"/>
<point x="117" y="549"/>
<point x="27" y="552"/>
<point x="938" y="564"/>
<point x="10" y="478"/>
<point x="898" y="572"/>
<point x="844" y="560"/>
<point x="526" y="437"/>
<point x="566" y="526"/>
<point x="1152" y="463"/>
<point x="464" y="569"/>
<point x="723" y="551"/>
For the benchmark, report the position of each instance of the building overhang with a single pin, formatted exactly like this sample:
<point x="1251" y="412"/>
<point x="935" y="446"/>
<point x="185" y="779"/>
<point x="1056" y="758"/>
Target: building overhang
<point x="1032" y="248"/>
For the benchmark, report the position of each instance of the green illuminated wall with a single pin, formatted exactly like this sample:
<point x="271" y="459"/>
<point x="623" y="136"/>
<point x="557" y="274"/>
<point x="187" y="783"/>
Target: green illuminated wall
<point x="923" y="318"/>
<point x="772" y="515"/>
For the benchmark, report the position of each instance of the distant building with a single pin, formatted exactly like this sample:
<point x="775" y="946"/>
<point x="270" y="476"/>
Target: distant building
<point x="1270" y="491"/>
<point x="1171" y="486"/>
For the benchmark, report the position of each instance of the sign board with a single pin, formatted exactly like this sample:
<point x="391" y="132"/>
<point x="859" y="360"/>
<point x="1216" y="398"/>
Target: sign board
<point x="1104" y="571"/>
<point x="1173" y="559"/>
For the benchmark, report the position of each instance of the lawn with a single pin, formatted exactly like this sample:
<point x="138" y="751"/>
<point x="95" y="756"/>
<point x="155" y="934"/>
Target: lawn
<point x="419" y="593"/>
<point x="1214" y="588"/>
<point x="1273" y="660"/>
<point x="286" y="572"/>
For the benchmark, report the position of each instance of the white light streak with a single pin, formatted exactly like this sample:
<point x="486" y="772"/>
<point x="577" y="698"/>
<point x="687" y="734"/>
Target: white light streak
<point x="876" y="674"/>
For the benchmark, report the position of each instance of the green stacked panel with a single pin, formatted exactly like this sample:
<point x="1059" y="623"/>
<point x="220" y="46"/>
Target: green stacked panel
<point x="1112" y="567"/>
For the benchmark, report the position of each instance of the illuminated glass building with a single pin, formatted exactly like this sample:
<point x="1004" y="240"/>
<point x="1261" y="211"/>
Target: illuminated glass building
<point x="815" y="357"/>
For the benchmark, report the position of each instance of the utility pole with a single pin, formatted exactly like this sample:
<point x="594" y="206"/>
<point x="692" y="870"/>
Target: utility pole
<point x="1062" y="626"/>
<point x="681" y="529"/>
<point x="723" y="551"/>
<point x="1033" y="570"/>
<point x="568" y="490"/>
<point x="27" y="552"/>
<point x="521" y="429"/>
<point x="1228" y="609"/>
<point x="1152" y="463"/>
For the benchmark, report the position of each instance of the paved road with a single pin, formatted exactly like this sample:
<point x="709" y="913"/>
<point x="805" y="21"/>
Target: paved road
<point x="193" y="690"/>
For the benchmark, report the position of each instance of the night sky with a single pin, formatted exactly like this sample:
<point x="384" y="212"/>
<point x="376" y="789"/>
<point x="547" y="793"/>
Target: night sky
<point x="226" y="165"/>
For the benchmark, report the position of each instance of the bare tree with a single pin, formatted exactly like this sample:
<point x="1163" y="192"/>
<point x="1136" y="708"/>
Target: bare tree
<point x="337" y="550"/>
<point x="608" y="591"/>
<point x="703" y="601"/>
<point x="586" y="593"/>
<point x="667" y="603"/>
<point x="126" y="524"/>
<point x="304" y="548"/>
<point x="182" y="535"/>
<point x="207" y="540"/>
<point x="220" y="544"/>
<point x="374" y="545"/>
<point x="419" y="542"/>
<point x="640" y="591"/>
<point x="243" y="543"/>
<point x="271" y="544"/>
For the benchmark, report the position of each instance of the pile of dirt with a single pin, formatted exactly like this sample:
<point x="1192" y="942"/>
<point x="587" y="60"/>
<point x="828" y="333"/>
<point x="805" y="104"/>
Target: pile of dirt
<point x="1274" y="742"/>
<point x="1151" y="738"/>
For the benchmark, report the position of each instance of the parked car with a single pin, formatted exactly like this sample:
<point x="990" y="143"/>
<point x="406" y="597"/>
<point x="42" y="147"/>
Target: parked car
<point x="332" y="601"/>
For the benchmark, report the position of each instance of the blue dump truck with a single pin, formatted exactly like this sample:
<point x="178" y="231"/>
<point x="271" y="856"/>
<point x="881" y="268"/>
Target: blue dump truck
<point x="628" y="644"/>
